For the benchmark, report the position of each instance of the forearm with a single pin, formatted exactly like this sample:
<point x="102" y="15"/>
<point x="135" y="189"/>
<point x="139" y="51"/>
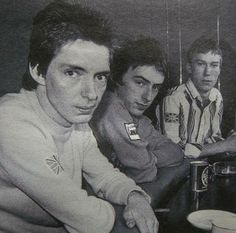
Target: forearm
<point x="107" y="182"/>
<point x="227" y="145"/>
<point x="170" y="155"/>
<point x="139" y="163"/>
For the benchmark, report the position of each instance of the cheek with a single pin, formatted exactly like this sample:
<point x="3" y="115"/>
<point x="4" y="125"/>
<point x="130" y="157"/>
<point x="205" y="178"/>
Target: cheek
<point x="56" y="83"/>
<point x="134" y="90"/>
<point x="198" y="71"/>
<point x="127" y="98"/>
<point x="216" y="73"/>
<point x="154" y="94"/>
<point x="100" y="90"/>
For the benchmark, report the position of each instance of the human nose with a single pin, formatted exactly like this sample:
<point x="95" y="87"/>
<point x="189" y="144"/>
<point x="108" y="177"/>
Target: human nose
<point x="207" y="70"/>
<point x="89" y="90"/>
<point x="147" y="95"/>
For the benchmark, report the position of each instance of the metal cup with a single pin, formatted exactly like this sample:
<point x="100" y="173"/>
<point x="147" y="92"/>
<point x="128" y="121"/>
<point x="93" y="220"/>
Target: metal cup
<point x="199" y="175"/>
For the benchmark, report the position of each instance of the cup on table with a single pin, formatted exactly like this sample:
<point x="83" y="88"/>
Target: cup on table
<point x="224" y="225"/>
<point x="199" y="175"/>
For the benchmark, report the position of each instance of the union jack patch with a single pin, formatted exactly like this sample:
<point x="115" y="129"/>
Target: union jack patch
<point x="171" y="117"/>
<point x="54" y="164"/>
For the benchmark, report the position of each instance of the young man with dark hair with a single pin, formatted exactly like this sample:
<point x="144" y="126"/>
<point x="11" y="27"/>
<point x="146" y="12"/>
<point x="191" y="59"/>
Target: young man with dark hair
<point x="46" y="145"/>
<point x="124" y="134"/>
<point x="192" y="112"/>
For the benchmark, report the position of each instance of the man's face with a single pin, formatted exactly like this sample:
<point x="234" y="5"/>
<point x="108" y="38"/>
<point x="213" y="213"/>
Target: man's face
<point x="76" y="80"/>
<point x="205" y="70"/>
<point x="139" y="87"/>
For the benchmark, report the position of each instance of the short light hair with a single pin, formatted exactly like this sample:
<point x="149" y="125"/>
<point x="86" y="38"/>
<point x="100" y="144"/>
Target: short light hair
<point x="203" y="45"/>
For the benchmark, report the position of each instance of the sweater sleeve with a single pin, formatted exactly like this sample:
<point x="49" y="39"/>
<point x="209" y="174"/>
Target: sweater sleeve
<point x="23" y="156"/>
<point x="106" y="181"/>
<point x="166" y="152"/>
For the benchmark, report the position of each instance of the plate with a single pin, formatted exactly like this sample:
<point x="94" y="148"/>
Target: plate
<point x="203" y="218"/>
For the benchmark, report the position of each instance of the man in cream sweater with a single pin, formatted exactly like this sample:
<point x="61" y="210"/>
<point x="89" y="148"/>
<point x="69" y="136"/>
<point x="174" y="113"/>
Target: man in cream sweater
<point x="46" y="145"/>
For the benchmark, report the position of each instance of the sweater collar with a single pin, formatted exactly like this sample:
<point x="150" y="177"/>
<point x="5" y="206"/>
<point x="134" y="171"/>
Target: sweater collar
<point x="55" y="128"/>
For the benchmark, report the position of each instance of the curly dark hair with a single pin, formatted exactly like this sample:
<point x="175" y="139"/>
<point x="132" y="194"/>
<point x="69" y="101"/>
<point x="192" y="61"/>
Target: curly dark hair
<point x="134" y="53"/>
<point x="57" y="24"/>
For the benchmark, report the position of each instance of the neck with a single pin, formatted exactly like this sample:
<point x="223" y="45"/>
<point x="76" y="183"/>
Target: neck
<point x="48" y="108"/>
<point x="205" y="98"/>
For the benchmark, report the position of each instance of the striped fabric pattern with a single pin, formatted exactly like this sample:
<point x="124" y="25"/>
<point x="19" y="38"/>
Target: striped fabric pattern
<point x="197" y="124"/>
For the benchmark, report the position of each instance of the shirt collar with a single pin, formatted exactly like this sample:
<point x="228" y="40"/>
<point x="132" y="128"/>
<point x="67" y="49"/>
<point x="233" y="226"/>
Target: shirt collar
<point x="136" y="120"/>
<point x="195" y="94"/>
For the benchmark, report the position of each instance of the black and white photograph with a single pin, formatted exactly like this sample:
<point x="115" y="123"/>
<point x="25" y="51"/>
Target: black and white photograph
<point x="118" y="116"/>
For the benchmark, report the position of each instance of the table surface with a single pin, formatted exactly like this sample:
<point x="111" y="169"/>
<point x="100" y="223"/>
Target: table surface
<point x="171" y="190"/>
<point x="221" y="195"/>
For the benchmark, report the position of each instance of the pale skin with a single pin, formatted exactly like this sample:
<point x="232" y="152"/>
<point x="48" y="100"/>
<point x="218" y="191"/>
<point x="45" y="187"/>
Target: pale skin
<point x="134" y="217"/>
<point x="69" y="93"/>
<point x="139" y="87"/>
<point x="228" y="145"/>
<point x="204" y="70"/>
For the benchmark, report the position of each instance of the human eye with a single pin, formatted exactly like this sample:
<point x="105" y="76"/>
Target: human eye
<point x="102" y="77"/>
<point x="215" y="65"/>
<point x="139" y="83"/>
<point x="71" y="73"/>
<point x="200" y="63"/>
<point x="156" y="87"/>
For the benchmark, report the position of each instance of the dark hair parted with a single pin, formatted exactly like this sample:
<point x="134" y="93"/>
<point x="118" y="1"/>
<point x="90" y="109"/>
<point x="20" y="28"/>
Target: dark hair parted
<point x="134" y="53"/>
<point x="203" y="45"/>
<point x="57" y="24"/>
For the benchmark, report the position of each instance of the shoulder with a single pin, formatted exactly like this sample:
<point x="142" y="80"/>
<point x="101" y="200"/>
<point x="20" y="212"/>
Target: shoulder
<point x="217" y="93"/>
<point x="176" y="96"/>
<point x="13" y="106"/>
<point x="111" y="109"/>
<point x="216" y="97"/>
<point x="17" y="116"/>
<point x="177" y="91"/>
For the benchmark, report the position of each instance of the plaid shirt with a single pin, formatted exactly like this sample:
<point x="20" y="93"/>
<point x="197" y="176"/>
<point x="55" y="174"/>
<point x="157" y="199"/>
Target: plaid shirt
<point x="187" y="122"/>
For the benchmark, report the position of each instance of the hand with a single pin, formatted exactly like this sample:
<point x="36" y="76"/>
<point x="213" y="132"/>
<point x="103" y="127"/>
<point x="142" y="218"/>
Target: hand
<point x="230" y="143"/>
<point x="139" y="212"/>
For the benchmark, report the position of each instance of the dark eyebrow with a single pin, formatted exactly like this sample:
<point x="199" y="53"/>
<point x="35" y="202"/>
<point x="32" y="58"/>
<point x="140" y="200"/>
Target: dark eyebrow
<point x="74" y="67"/>
<point x="141" y="77"/>
<point x="147" y="81"/>
<point x="198" y="60"/>
<point x="84" y="70"/>
<point x="105" y="72"/>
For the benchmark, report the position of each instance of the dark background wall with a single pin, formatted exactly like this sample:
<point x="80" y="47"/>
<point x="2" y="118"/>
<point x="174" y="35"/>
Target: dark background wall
<point x="130" y="18"/>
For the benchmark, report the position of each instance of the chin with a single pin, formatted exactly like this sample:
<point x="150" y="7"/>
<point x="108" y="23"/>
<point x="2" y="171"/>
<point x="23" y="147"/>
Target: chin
<point x="82" y="119"/>
<point x="136" y="113"/>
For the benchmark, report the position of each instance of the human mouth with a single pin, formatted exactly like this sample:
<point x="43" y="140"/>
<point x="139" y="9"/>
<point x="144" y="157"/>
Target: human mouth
<point x="207" y="81"/>
<point x="141" y="106"/>
<point x="86" y="109"/>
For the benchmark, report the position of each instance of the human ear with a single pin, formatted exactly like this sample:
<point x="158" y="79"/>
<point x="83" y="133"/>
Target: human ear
<point x="36" y="74"/>
<point x="189" y="68"/>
